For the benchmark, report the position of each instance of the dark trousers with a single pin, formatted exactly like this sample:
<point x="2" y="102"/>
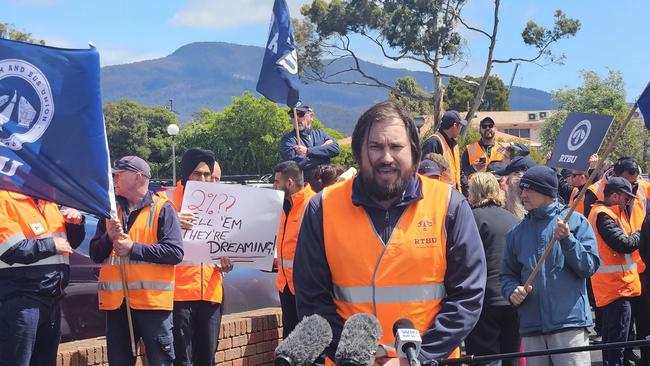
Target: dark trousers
<point x="616" y="327"/>
<point x="196" y="331"/>
<point x="289" y="311"/>
<point x="497" y="331"/>
<point x="30" y="331"/>
<point x="641" y="320"/>
<point x="597" y="312"/>
<point x="153" y="326"/>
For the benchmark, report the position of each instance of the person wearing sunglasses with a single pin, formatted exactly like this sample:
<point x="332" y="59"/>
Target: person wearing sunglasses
<point x="315" y="147"/>
<point x="444" y="142"/>
<point x="484" y="151"/>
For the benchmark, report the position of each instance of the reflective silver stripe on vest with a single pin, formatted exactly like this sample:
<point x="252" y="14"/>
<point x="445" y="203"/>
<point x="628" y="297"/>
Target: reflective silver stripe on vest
<point x="390" y="295"/>
<point x="629" y="265"/>
<point x="152" y="210"/>
<point x="55" y="259"/>
<point x="285" y="263"/>
<point x="138" y="285"/>
<point x="113" y="260"/>
<point x="11" y="241"/>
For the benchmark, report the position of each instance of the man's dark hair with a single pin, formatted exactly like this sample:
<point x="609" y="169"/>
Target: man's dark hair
<point x="378" y="112"/>
<point x="626" y="164"/>
<point x="290" y="169"/>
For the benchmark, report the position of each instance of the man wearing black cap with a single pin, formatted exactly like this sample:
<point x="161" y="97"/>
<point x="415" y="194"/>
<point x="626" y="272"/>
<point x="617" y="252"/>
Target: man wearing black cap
<point x="146" y="237"/>
<point x="517" y="166"/>
<point x="617" y="280"/>
<point x="443" y="142"/>
<point x="479" y="154"/>
<point x="315" y="147"/>
<point x="554" y="312"/>
<point x="198" y="290"/>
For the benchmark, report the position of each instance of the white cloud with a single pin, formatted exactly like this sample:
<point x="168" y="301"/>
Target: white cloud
<point x="119" y="55"/>
<point x="223" y="14"/>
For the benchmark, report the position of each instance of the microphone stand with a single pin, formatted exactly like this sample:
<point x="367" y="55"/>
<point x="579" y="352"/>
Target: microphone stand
<point x="471" y="359"/>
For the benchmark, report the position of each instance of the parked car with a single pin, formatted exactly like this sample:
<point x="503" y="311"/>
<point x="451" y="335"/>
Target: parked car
<point x="244" y="290"/>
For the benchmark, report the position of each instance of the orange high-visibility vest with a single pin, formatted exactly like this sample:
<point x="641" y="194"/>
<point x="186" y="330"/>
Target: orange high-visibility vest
<point x="475" y="152"/>
<point x="637" y="215"/>
<point x="402" y="279"/>
<point x="194" y="282"/>
<point x="288" y="236"/>
<point x="574" y="195"/>
<point x="21" y="218"/>
<point x="453" y="158"/>
<point x="151" y="285"/>
<point x="598" y="189"/>
<point x="617" y="275"/>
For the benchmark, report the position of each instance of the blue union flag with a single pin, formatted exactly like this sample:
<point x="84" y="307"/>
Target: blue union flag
<point x="52" y="137"/>
<point x="278" y="79"/>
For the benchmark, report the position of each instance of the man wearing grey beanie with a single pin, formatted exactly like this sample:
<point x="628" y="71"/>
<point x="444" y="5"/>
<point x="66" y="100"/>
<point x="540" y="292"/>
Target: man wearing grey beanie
<point x="554" y="312"/>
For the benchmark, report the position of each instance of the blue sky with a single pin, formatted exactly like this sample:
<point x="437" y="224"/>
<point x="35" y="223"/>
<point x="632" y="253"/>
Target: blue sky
<point x="613" y="34"/>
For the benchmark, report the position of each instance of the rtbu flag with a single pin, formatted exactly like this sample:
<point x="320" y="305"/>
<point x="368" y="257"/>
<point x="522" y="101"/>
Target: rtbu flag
<point x="278" y="79"/>
<point x="52" y="136"/>
<point x="644" y="105"/>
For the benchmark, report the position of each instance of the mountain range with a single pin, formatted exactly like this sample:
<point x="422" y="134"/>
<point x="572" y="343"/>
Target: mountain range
<point x="209" y="74"/>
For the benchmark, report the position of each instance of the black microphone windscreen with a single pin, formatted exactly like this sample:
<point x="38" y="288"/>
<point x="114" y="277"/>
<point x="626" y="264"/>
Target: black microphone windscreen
<point x="306" y="342"/>
<point x="359" y="340"/>
<point x="402" y="324"/>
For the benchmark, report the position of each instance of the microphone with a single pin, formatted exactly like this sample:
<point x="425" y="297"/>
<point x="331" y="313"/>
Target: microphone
<point x="305" y="343"/>
<point x="407" y="341"/>
<point x="359" y="341"/>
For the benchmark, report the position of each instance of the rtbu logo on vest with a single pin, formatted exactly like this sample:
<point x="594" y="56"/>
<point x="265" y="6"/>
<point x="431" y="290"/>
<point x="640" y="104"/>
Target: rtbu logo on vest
<point x="580" y="137"/>
<point x="52" y="137"/>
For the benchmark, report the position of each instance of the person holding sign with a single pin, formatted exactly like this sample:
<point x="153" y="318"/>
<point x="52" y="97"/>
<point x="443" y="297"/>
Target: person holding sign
<point x="478" y="155"/>
<point x="288" y="178"/>
<point x="617" y="280"/>
<point x="36" y="239"/>
<point x="198" y="291"/>
<point x="392" y="243"/>
<point x="554" y="312"/>
<point x="146" y="235"/>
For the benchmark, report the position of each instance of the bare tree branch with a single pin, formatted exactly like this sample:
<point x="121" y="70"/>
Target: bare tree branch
<point x="541" y="53"/>
<point x="460" y="19"/>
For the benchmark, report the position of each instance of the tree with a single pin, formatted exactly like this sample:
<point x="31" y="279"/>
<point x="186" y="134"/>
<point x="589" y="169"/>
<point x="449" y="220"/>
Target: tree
<point x="134" y="129"/>
<point x="460" y="94"/>
<point x="8" y="31"/>
<point x="245" y="136"/>
<point x="409" y="86"/>
<point x="601" y="95"/>
<point x="423" y="31"/>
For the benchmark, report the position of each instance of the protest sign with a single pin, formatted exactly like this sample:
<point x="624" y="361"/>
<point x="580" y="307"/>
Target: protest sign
<point x="235" y="221"/>
<point x="580" y="137"/>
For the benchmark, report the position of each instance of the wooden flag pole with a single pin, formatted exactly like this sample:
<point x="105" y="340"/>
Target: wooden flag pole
<point x="581" y="195"/>
<point x="128" y="307"/>
<point x="295" y="125"/>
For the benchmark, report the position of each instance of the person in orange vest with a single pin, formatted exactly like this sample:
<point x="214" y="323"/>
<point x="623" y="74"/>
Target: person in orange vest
<point x="617" y="281"/>
<point x="146" y="236"/>
<point x="391" y="243"/>
<point x="289" y="179"/>
<point x="36" y="238"/>
<point x="577" y="179"/>
<point x="484" y="151"/>
<point x="198" y="291"/>
<point x="444" y="142"/>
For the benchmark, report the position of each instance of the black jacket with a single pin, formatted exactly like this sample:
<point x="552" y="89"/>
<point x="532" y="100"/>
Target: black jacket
<point x="493" y="224"/>
<point x="433" y="145"/>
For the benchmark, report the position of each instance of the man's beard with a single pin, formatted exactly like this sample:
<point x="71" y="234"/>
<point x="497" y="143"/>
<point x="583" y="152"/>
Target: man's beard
<point x="388" y="191"/>
<point x="488" y="136"/>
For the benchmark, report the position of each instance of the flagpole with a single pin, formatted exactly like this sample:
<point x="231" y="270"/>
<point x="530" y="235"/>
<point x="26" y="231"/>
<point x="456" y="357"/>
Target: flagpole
<point x="581" y="195"/>
<point x="295" y="125"/>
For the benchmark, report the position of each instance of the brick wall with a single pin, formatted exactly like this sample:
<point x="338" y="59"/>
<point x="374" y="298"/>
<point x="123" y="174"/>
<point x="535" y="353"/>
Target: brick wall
<point x="246" y="339"/>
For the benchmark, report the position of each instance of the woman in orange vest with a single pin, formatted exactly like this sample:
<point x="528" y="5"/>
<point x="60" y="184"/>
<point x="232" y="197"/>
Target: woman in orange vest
<point x="616" y="281"/>
<point x="146" y="236"/>
<point x="391" y="243"/>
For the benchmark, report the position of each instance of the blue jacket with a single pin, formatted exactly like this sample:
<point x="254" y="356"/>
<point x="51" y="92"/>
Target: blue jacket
<point x="317" y="152"/>
<point x="559" y="296"/>
<point x="464" y="279"/>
